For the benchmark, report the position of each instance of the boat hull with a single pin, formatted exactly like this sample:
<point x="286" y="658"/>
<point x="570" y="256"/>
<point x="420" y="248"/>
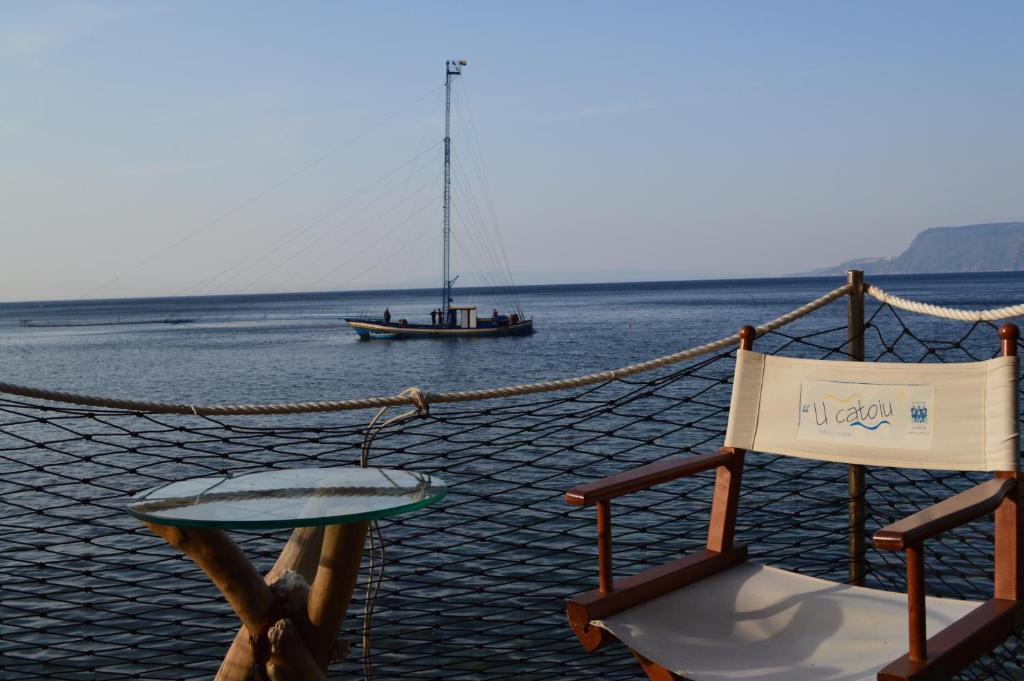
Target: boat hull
<point x="373" y="329"/>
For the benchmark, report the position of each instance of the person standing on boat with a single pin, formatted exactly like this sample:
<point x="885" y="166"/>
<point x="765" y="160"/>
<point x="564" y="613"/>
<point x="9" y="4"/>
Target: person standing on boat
<point x="433" y="317"/>
<point x="387" y="315"/>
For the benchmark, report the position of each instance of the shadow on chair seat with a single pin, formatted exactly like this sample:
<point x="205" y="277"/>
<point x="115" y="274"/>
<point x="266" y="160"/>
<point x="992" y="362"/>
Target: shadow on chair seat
<point x="760" y="622"/>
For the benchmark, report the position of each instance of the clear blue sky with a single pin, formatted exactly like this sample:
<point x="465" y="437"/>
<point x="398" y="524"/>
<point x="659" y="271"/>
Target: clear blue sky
<point x="152" y="148"/>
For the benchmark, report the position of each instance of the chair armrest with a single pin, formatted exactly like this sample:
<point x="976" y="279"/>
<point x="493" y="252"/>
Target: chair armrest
<point x="945" y="515"/>
<point x="644" y="477"/>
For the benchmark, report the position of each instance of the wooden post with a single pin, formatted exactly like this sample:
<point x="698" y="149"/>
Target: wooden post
<point x="606" y="582"/>
<point x="856" y="511"/>
<point x="855" y="315"/>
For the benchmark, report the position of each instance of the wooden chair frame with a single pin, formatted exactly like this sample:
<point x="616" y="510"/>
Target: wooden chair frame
<point x="938" y="657"/>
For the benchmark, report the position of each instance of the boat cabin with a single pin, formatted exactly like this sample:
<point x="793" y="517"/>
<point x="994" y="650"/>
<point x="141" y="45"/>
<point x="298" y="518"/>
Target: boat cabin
<point x="462" y="316"/>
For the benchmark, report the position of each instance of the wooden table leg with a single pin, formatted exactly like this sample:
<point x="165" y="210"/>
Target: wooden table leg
<point x="301" y="554"/>
<point x="331" y="591"/>
<point x="226" y="566"/>
<point x="246" y="592"/>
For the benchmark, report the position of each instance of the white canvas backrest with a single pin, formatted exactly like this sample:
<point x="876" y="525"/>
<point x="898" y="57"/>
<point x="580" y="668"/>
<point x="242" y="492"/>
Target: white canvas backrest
<point x="940" y="416"/>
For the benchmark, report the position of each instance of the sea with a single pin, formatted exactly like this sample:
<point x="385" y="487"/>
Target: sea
<point x="293" y="347"/>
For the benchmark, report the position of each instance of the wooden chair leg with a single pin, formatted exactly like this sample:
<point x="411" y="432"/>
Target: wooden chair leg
<point x="654" y="671"/>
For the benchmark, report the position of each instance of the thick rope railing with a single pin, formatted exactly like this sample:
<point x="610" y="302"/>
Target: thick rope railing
<point x="414" y="396"/>
<point x="953" y="313"/>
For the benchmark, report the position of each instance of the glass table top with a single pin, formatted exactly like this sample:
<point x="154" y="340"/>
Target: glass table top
<point x="301" y="497"/>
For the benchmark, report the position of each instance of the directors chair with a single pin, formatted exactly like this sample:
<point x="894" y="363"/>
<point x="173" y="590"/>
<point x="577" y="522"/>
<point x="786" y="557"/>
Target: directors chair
<point x="713" y="616"/>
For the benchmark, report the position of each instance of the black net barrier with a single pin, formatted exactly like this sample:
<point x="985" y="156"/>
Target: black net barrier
<point x="476" y="585"/>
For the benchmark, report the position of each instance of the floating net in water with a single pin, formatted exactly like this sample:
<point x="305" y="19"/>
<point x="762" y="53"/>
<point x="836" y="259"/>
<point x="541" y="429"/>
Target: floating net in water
<point x="474" y="586"/>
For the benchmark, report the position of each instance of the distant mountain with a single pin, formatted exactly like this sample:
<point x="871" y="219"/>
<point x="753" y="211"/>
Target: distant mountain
<point x="996" y="247"/>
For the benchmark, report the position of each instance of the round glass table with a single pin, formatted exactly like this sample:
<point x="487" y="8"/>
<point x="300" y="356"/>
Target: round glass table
<point x="306" y="497"/>
<point x="292" y="615"/>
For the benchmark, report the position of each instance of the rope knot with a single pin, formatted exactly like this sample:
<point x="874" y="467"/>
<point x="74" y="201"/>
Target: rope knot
<point x="419" y="400"/>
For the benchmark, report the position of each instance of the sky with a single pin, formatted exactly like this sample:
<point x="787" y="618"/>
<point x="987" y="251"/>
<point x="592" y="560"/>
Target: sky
<point x="195" y="148"/>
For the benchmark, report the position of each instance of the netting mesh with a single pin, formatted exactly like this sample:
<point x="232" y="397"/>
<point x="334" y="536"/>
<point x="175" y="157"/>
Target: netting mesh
<point x="476" y="584"/>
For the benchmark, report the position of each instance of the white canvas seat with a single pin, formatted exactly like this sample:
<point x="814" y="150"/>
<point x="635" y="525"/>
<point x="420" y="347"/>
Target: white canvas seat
<point x="755" y="622"/>
<point x="712" y="616"/>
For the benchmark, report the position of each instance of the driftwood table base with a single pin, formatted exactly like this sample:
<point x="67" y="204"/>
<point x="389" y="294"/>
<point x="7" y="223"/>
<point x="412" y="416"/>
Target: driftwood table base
<point x="294" y="633"/>
<point x="290" y="617"/>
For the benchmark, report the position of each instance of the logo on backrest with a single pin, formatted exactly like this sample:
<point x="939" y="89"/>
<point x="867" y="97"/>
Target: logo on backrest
<point x="865" y="414"/>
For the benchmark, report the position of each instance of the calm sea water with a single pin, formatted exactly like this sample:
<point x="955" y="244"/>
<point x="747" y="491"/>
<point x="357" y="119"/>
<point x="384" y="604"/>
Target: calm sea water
<point x="264" y="348"/>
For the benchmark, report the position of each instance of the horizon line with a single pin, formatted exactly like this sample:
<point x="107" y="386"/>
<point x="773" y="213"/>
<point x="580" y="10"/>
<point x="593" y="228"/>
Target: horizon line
<point x="518" y="287"/>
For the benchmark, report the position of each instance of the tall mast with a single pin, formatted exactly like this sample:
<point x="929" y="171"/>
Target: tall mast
<point x="452" y="68"/>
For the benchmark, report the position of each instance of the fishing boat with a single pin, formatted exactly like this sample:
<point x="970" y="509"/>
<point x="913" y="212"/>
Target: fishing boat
<point x="448" y="320"/>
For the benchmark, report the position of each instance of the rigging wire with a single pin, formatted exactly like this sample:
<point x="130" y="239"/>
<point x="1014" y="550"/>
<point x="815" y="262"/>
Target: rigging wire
<point x="500" y="256"/>
<point x="476" y="221"/>
<point x="249" y="261"/>
<point x="484" y="246"/>
<point x="488" y="281"/>
<point x="427" y="128"/>
<point x="320" y="255"/>
<point x="314" y="240"/>
<point x="486" y="259"/>
<point x="430" y="123"/>
<point x="472" y="221"/>
<point x="428" y="229"/>
<point x="476" y="156"/>
<point x="219" y="219"/>
<point x="422" y="195"/>
<point x="472" y="215"/>
<point x="476" y="214"/>
<point x="486" y="274"/>
<point x="462" y="95"/>
<point x="419" y="263"/>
